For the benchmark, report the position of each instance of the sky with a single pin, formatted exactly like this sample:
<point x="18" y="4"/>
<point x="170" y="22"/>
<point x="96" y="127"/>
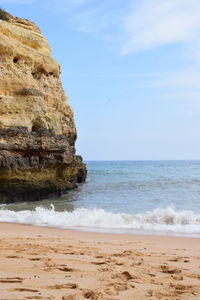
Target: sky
<point x="131" y="70"/>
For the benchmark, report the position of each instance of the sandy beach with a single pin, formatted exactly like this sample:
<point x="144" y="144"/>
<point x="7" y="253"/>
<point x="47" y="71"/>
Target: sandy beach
<point x="48" y="263"/>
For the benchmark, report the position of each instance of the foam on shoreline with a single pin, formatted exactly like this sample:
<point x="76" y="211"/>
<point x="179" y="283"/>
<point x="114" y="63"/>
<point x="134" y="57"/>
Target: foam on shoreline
<point x="165" y="220"/>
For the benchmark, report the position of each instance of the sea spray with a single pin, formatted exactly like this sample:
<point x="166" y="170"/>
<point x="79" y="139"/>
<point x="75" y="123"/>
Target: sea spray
<point x="158" y="220"/>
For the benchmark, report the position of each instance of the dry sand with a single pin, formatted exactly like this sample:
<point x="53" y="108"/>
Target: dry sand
<point x="46" y="263"/>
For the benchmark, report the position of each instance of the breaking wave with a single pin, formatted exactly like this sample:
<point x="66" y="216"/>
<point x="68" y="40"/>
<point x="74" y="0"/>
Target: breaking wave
<point x="167" y="220"/>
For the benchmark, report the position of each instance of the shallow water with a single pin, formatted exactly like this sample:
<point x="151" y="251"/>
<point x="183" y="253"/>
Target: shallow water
<point x="123" y="196"/>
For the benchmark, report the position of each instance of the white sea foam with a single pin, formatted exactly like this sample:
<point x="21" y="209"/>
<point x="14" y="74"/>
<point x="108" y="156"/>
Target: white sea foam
<point x="158" y="220"/>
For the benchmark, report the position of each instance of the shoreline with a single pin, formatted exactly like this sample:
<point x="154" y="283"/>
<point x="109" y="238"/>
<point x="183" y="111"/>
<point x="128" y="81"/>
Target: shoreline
<point x="52" y="263"/>
<point x="115" y="231"/>
<point x="99" y="232"/>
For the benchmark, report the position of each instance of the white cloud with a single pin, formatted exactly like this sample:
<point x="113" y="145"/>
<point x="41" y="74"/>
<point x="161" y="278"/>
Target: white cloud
<point x="189" y="101"/>
<point x="181" y="79"/>
<point x="100" y="18"/>
<point x="188" y="96"/>
<point x="158" y="22"/>
<point x="184" y="79"/>
<point x="137" y="75"/>
<point x="66" y="6"/>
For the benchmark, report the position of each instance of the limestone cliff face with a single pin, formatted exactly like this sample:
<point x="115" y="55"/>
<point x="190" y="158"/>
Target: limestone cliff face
<point x="37" y="131"/>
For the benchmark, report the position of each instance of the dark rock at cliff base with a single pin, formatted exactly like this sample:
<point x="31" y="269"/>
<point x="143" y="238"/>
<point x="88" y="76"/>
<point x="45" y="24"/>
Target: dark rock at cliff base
<point x="37" y="165"/>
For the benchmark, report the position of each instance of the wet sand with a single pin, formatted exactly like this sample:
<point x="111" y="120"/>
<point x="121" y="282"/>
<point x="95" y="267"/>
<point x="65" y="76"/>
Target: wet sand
<point x="48" y="263"/>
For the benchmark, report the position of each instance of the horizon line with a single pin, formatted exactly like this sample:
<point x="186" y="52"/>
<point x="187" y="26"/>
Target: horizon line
<point x="89" y="160"/>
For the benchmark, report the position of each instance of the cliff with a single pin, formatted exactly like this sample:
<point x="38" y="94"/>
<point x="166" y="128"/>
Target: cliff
<point x="37" y="131"/>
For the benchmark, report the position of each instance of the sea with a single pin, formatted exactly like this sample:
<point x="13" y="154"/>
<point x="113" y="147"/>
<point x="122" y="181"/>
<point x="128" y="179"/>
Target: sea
<point x="133" y="197"/>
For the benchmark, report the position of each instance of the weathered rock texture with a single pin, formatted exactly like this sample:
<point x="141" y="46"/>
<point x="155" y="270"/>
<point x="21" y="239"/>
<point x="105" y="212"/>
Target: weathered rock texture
<point x="37" y="132"/>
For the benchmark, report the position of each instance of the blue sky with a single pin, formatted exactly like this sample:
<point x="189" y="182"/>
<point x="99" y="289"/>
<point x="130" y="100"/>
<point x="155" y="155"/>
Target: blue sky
<point x="131" y="70"/>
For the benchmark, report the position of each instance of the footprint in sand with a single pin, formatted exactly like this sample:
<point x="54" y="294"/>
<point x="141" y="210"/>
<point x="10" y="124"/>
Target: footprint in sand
<point x="25" y="290"/>
<point x="73" y="297"/>
<point x="138" y="262"/>
<point x="118" y="254"/>
<point x="119" y="263"/>
<point x="124" y="276"/>
<point x="13" y="256"/>
<point x="127" y="276"/>
<point x="99" y="256"/>
<point x="111" y="291"/>
<point x="151" y="274"/>
<point x="93" y="295"/>
<point x="107" y="269"/>
<point x="11" y="280"/>
<point x="65" y="268"/>
<point x="169" y="270"/>
<point x="177" y="277"/>
<point x="149" y="293"/>
<point x="119" y="283"/>
<point x="63" y="286"/>
<point x="124" y="253"/>
<point x="120" y="287"/>
<point x="180" y="259"/>
<point x="99" y="262"/>
<point x="36" y="297"/>
<point x="175" y="259"/>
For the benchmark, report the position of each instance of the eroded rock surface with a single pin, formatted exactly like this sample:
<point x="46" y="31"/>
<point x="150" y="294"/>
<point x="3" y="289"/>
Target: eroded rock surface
<point x="37" y="131"/>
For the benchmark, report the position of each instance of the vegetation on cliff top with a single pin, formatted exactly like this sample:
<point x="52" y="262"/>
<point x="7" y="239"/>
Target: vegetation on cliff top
<point x="3" y="15"/>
